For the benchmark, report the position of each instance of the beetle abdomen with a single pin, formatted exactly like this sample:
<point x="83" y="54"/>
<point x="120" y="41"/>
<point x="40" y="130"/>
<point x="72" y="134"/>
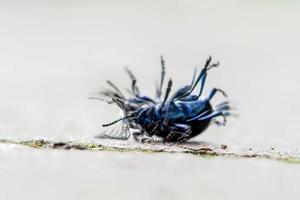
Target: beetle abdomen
<point x="198" y="127"/>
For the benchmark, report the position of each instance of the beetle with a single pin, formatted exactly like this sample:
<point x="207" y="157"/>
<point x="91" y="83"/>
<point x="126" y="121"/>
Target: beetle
<point x="174" y="118"/>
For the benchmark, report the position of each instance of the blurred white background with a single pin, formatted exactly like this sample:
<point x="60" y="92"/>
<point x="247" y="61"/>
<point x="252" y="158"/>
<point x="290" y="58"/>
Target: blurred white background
<point x="54" y="54"/>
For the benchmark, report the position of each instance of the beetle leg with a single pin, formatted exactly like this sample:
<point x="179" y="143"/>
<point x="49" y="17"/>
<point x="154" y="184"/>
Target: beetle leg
<point x="213" y="115"/>
<point x="214" y="91"/>
<point x="179" y="133"/>
<point x="142" y="138"/>
<point x="224" y="108"/>
<point x="165" y="120"/>
<point x="97" y="98"/>
<point x="203" y="75"/>
<point x="111" y="94"/>
<point x="137" y="135"/>
<point x="203" y="114"/>
<point x="162" y="78"/>
<point x="134" y="87"/>
<point x="167" y="92"/>
<point x="194" y="77"/>
<point x="154" y="129"/>
<point x="147" y="140"/>
<point x="180" y="127"/>
<point x="118" y="91"/>
<point x="202" y="82"/>
<point x="189" y="98"/>
<point x="121" y="103"/>
<point x="201" y="78"/>
<point x="222" y="104"/>
<point x="176" y="136"/>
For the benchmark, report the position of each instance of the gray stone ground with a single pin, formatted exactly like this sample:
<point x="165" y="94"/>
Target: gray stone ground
<point x="55" y="54"/>
<point x="34" y="173"/>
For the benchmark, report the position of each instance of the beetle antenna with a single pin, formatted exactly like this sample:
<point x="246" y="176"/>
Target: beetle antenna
<point x="121" y="119"/>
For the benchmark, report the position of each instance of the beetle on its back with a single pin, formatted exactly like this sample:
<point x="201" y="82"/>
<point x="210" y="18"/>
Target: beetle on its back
<point x="175" y="118"/>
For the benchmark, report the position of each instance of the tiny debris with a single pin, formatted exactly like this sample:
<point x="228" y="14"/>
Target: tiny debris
<point x="223" y="146"/>
<point x="58" y="145"/>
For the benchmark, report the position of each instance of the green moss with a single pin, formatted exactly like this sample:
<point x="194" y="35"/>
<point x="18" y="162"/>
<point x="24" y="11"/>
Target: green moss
<point x="33" y="143"/>
<point x="203" y="152"/>
<point x="291" y="160"/>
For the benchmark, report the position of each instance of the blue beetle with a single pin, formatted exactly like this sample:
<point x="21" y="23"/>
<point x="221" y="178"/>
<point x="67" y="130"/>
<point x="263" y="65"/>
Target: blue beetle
<point x="175" y="118"/>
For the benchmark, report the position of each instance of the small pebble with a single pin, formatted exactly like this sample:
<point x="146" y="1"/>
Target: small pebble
<point x="223" y="146"/>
